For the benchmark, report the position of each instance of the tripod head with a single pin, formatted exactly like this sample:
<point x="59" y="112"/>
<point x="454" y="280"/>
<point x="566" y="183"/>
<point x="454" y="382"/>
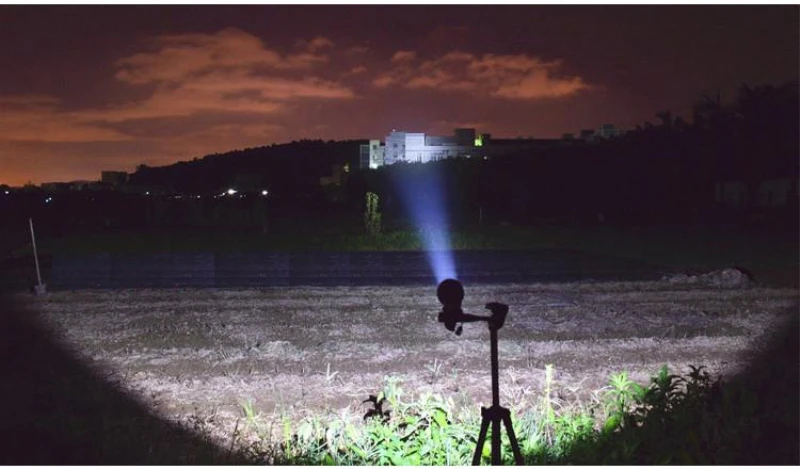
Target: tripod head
<point x="451" y="294"/>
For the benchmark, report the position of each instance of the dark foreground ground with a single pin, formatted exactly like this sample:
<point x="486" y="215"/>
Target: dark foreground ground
<point x="160" y="376"/>
<point x="140" y="376"/>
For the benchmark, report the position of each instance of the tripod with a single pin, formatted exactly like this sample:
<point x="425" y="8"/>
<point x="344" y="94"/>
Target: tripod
<point x="451" y="293"/>
<point x="496" y="414"/>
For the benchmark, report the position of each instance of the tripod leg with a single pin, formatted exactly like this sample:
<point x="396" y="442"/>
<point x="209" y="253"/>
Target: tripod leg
<point x="497" y="458"/>
<point x="476" y="458"/>
<point x="513" y="438"/>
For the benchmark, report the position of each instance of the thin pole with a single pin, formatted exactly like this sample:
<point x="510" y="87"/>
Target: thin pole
<point x="495" y="399"/>
<point x="495" y="366"/>
<point x="35" y="255"/>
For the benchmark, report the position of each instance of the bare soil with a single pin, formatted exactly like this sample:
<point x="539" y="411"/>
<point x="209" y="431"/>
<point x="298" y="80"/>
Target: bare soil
<point x="300" y="351"/>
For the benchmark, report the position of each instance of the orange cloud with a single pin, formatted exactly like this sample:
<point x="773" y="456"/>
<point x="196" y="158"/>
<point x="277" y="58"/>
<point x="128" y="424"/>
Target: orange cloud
<point x="179" y="57"/>
<point x="502" y="76"/>
<point x="26" y="101"/>
<point x="384" y="80"/>
<point x="357" y="50"/>
<point x="230" y="71"/>
<point x="38" y="118"/>
<point x="357" y="70"/>
<point x="403" y="56"/>
<point x="540" y="85"/>
<point x="319" y="43"/>
<point x="195" y="82"/>
<point x="180" y="102"/>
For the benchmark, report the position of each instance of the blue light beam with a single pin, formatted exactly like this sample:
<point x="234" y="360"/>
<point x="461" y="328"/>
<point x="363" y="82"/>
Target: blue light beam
<point x="423" y="195"/>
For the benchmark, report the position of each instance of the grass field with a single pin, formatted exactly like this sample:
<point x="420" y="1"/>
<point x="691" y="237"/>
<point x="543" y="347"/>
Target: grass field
<point x="286" y="367"/>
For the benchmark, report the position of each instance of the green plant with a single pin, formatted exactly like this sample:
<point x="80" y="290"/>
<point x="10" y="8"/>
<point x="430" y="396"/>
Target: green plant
<point x="372" y="217"/>
<point x="249" y="414"/>
<point x="692" y="419"/>
<point x="547" y="412"/>
<point x="623" y="394"/>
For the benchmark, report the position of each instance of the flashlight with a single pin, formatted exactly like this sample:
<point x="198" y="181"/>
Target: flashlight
<point x="451" y="293"/>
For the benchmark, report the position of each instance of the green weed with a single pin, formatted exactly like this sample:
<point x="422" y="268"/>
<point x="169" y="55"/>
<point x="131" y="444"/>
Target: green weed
<point x="692" y="419"/>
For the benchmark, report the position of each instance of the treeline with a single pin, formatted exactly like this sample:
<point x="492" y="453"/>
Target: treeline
<point x="671" y="172"/>
<point x="668" y="172"/>
<point x="291" y="168"/>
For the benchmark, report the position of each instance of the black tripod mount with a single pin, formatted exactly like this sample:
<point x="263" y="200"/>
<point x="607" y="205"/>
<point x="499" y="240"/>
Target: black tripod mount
<point x="451" y="293"/>
<point x="496" y="413"/>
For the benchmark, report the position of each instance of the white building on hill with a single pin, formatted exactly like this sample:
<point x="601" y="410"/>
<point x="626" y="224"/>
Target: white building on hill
<point x="416" y="147"/>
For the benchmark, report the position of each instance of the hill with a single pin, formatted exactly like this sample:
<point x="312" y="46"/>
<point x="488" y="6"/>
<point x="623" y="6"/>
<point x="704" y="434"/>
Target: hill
<point x="292" y="167"/>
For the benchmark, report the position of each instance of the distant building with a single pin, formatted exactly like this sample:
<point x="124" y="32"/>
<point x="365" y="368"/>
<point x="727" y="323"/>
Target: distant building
<point x="608" y="131"/>
<point x="731" y="193"/>
<point x="83" y="185"/>
<point x="53" y="187"/>
<point x="587" y="135"/>
<point x="371" y="155"/>
<point x="338" y="176"/>
<point x="417" y="147"/>
<point x="770" y="193"/>
<point x="363" y="156"/>
<point x="605" y="131"/>
<point x="114" y="178"/>
<point x="377" y="154"/>
<point x="775" y="192"/>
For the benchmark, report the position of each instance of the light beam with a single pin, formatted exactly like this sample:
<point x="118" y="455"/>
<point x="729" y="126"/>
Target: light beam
<point x="423" y="194"/>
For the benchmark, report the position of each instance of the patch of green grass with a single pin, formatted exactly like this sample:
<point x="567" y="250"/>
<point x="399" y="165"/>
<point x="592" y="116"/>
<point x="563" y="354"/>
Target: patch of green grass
<point x="399" y="240"/>
<point x="686" y="420"/>
<point x="772" y="259"/>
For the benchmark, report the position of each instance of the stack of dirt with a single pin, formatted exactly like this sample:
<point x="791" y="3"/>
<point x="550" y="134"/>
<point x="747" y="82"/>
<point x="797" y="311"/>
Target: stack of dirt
<point x="725" y="278"/>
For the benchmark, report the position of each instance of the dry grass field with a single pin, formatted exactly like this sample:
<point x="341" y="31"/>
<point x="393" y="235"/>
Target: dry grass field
<point x="286" y="354"/>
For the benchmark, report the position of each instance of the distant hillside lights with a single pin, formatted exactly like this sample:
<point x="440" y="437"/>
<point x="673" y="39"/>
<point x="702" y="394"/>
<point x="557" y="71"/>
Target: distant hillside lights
<point x="237" y="193"/>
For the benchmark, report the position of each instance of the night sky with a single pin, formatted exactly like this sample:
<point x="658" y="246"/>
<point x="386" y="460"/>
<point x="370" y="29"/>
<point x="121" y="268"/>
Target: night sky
<point x="91" y="88"/>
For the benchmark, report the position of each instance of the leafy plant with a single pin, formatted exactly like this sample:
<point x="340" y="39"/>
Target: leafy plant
<point x="372" y="217"/>
<point x="692" y="419"/>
